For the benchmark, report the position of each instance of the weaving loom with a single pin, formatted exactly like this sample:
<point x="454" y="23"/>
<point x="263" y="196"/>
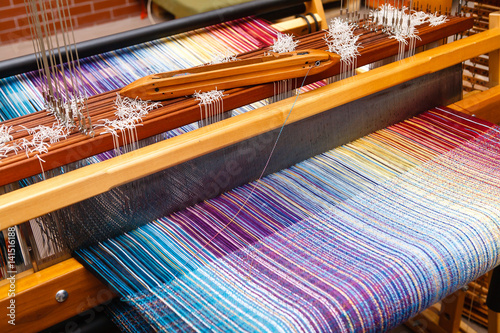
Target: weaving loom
<point x="317" y="212"/>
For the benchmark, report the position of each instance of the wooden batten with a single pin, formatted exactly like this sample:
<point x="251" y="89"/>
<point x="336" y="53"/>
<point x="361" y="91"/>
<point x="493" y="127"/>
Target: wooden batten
<point x="298" y="26"/>
<point x="494" y="56"/>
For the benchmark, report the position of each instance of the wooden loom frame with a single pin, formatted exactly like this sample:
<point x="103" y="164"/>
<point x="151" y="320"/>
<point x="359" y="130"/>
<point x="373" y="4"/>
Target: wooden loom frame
<point x="85" y="291"/>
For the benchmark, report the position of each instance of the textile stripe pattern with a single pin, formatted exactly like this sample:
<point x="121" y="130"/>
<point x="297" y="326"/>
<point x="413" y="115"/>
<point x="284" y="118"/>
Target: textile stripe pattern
<point x="359" y="238"/>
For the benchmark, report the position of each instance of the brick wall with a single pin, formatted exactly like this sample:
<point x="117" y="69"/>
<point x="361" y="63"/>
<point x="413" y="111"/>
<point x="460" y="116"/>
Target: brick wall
<point x="14" y="22"/>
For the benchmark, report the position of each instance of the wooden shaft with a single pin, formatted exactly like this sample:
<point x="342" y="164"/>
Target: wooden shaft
<point x="451" y="311"/>
<point x="494" y="56"/>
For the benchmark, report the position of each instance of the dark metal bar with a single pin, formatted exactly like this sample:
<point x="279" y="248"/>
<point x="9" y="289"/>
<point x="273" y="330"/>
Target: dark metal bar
<point x="493" y="299"/>
<point x="128" y="38"/>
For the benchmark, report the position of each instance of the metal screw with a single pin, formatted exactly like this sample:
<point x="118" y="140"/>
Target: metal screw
<point x="61" y="296"/>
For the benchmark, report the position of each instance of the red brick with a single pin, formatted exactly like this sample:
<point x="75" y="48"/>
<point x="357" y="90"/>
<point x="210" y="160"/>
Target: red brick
<point x="80" y="9"/>
<point x="13" y="11"/>
<point x="58" y="25"/>
<point x="5" y="4"/>
<point x="127" y="10"/>
<point x="23" y="31"/>
<point x="24" y="23"/>
<point x="16" y="2"/>
<point x="107" y="4"/>
<point x="79" y="2"/>
<point x="135" y="2"/>
<point x="6" y="38"/>
<point x="7" y="24"/>
<point x="91" y="19"/>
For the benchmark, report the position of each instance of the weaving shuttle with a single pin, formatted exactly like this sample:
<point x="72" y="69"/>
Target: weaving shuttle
<point x="239" y="73"/>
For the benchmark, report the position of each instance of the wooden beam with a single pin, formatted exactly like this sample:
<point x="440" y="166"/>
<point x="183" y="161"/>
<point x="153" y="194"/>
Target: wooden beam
<point x="35" y="305"/>
<point x="494" y="56"/>
<point x="451" y="311"/>
<point x="483" y="105"/>
<point x="298" y="26"/>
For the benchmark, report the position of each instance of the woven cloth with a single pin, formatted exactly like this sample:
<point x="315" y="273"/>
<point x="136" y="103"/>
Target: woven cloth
<point x="360" y="238"/>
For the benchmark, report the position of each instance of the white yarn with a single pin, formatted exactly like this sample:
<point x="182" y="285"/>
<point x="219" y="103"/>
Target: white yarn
<point x="284" y="43"/>
<point x="33" y="146"/>
<point x="129" y="113"/>
<point x="6" y="144"/>
<point x="7" y="148"/>
<point x="5" y="134"/>
<point x="211" y="104"/>
<point x="133" y="108"/>
<point x="435" y="20"/>
<point x="396" y="20"/>
<point x="52" y="134"/>
<point x="401" y="24"/>
<point x="42" y="137"/>
<point x="340" y="39"/>
<point x="209" y="97"/>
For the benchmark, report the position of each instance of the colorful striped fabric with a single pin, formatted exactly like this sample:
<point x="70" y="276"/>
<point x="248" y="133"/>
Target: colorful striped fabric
<point x="359" y="238"/>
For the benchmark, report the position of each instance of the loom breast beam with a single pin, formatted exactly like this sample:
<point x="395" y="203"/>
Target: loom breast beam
<point x="239" y="73"/>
